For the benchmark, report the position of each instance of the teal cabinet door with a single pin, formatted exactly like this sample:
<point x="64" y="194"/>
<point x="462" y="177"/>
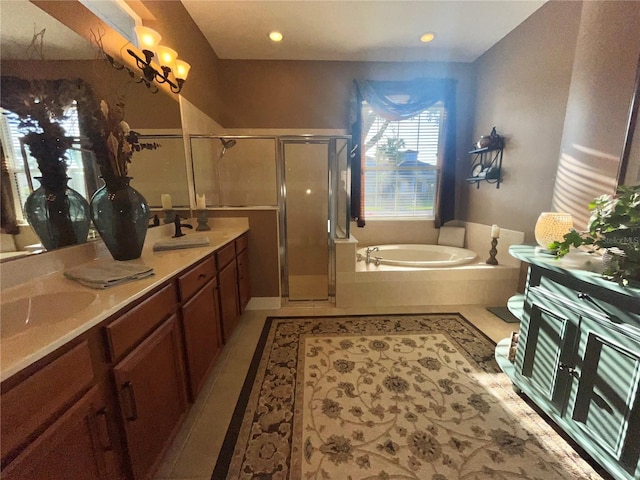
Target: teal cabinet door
<point x="545" y="356"/>
<point x="604" y="402"/>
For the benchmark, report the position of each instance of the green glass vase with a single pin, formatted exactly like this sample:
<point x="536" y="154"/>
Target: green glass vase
<point x="121" y="215"/>
<point x="58" y="214"/>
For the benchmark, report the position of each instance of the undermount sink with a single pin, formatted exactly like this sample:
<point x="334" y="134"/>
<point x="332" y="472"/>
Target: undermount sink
<point x="20" y="315"/>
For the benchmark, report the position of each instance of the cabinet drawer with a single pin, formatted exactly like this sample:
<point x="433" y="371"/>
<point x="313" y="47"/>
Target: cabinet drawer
<point x="128" y="330"/>
<point x="34" y="402"/>
<point x="196" y="278"/>
<point x="242" y="243"/>
<point x="587" y="299"/>
<point x="225" y="255"/>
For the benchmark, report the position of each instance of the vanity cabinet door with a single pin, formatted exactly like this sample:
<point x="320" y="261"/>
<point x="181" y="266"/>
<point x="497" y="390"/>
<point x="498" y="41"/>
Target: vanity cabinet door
<point x="228" y="296"/>
<point x="244" y="280"/>
<point x="151" y="391"/>
<point x="604" y="399"/>
<point x="545" y="357"/>
<point x="203" y="341"/>
<point x="72" y="448"/>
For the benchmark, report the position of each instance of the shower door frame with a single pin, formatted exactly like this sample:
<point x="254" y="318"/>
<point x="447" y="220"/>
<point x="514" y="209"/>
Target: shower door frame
<point x="332" y="159"/>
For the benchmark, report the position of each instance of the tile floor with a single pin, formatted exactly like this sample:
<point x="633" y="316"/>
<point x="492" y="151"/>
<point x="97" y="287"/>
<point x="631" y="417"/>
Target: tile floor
<point x="193" y="453"/>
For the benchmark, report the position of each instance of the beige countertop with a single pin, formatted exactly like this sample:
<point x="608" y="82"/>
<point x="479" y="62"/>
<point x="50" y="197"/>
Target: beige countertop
<point x="48" y="333"/>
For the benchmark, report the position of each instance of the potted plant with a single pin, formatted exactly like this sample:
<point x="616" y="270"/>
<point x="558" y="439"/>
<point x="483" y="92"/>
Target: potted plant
<point x="614" y="229"/>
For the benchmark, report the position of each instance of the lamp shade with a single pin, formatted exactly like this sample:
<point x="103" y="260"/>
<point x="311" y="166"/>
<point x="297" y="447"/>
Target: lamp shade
<point x="148" y="38"/>
<point x="166" y="56"/>
<point x="552" y="226"/>
<point x="182" y="69"/>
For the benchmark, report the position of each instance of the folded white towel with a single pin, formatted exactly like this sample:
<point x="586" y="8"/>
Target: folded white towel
<point x="107" y="273"/>
<point x="180" y="243"/>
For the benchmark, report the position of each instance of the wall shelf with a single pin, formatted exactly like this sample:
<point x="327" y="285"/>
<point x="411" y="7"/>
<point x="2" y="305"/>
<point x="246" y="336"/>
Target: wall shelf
<point x="486" y="165"/>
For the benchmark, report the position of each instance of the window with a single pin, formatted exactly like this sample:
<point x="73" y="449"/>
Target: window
<point x="402" y="163"/>
<point x="23" y="167"/>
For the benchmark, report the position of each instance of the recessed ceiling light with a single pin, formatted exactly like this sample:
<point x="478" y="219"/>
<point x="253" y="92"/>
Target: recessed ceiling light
<point x="427" y="37"/>
<point x="275" y="36"/>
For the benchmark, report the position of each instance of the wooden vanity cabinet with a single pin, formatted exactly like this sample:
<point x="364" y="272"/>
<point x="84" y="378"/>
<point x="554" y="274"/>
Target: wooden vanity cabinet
<point x="244" y="280"/>
<point x="73" y="448"/>
<point x="149" y="377"/>
<point x="54" y="422"/>
<point x="151" y="389"/>
<point x="228" y="289"/>
<point x="200" y="322"/>
<point x="106" y="405"/>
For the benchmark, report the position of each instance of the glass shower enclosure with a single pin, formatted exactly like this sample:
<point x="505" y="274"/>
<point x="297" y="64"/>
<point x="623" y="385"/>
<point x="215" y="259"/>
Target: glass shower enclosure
<point x="307" y="177"/>
<point x="314" y="207"/>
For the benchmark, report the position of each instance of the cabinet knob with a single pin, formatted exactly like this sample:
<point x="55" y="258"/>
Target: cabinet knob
<point x="570" y="370"/>
<point x="202" y="276"/>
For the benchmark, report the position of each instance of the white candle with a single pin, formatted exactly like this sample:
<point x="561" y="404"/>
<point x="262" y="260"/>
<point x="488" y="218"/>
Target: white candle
<point x="495" y="231"/>
<point x="201" y="203"/>
<point x="166" y="201"/>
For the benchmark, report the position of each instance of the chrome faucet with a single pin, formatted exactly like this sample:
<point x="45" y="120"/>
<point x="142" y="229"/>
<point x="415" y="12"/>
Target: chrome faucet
<point x="178" y="225"/>
<point x="369" y="252"/>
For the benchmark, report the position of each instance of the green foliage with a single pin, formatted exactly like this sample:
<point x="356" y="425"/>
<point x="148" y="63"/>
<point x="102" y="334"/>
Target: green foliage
<point x="393" y="145"/>
<point x="614" y="226"/>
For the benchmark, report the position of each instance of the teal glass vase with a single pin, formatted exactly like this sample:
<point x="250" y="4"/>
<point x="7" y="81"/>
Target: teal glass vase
<point x="121" y="215"/>
<point x="57" y="213"/>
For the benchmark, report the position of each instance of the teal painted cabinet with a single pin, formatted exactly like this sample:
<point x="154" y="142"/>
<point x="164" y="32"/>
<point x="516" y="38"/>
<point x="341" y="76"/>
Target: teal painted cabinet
<point x="578" y="358"/>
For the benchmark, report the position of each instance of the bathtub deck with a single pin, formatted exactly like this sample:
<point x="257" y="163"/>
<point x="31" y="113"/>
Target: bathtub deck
<point x="387" y="285"/>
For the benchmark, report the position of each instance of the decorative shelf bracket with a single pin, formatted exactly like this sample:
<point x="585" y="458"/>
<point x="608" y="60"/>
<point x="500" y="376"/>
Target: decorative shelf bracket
<point x="486" y="165"/>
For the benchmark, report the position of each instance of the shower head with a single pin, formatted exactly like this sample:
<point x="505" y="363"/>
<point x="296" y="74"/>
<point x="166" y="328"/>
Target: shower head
<point x="227" y="143"/>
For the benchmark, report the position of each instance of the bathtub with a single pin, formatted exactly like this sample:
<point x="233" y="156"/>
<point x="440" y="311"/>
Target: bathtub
<point x="421" y="256"/>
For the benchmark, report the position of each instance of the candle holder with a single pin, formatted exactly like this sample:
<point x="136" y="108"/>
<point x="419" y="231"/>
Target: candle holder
<point x="493" y="252"/>
<point x="169" y="216"/>
<point x="202" y="221"/>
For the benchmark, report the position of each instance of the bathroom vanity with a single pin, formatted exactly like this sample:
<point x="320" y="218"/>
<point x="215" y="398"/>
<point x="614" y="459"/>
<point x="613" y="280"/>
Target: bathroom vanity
<point x="101" y="392"/>
<point x="578" y="357"/>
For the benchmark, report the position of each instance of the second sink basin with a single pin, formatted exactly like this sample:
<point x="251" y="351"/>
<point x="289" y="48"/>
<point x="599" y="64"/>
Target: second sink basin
<point x="20" y="315"/>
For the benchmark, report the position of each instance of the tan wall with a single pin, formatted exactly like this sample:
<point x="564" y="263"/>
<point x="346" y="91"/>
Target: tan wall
<point x="263" y="249"/>
<point x="522" y="90"/>
<point x="298" y="94"/>
<point x="602" y="86"/>
<point x="180" y="32"/>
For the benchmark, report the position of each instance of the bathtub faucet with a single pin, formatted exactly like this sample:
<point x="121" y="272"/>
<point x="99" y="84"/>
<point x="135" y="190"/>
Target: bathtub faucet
<point x="369" y="252"/>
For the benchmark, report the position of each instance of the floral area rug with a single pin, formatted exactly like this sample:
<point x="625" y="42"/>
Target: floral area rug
<point x="386" y="397"/>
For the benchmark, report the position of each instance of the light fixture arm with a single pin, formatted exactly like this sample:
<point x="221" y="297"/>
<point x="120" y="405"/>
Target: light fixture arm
<point x="150" y="74"/>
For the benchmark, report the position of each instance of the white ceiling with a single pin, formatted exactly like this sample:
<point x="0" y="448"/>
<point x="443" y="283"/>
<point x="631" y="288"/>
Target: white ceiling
<point x="357" y="30"/>
<point x="347" y="30"/>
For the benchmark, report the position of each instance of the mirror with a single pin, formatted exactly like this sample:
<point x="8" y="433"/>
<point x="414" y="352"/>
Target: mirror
<point x="630" y="161"/>
<point x="37" y="46"/>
